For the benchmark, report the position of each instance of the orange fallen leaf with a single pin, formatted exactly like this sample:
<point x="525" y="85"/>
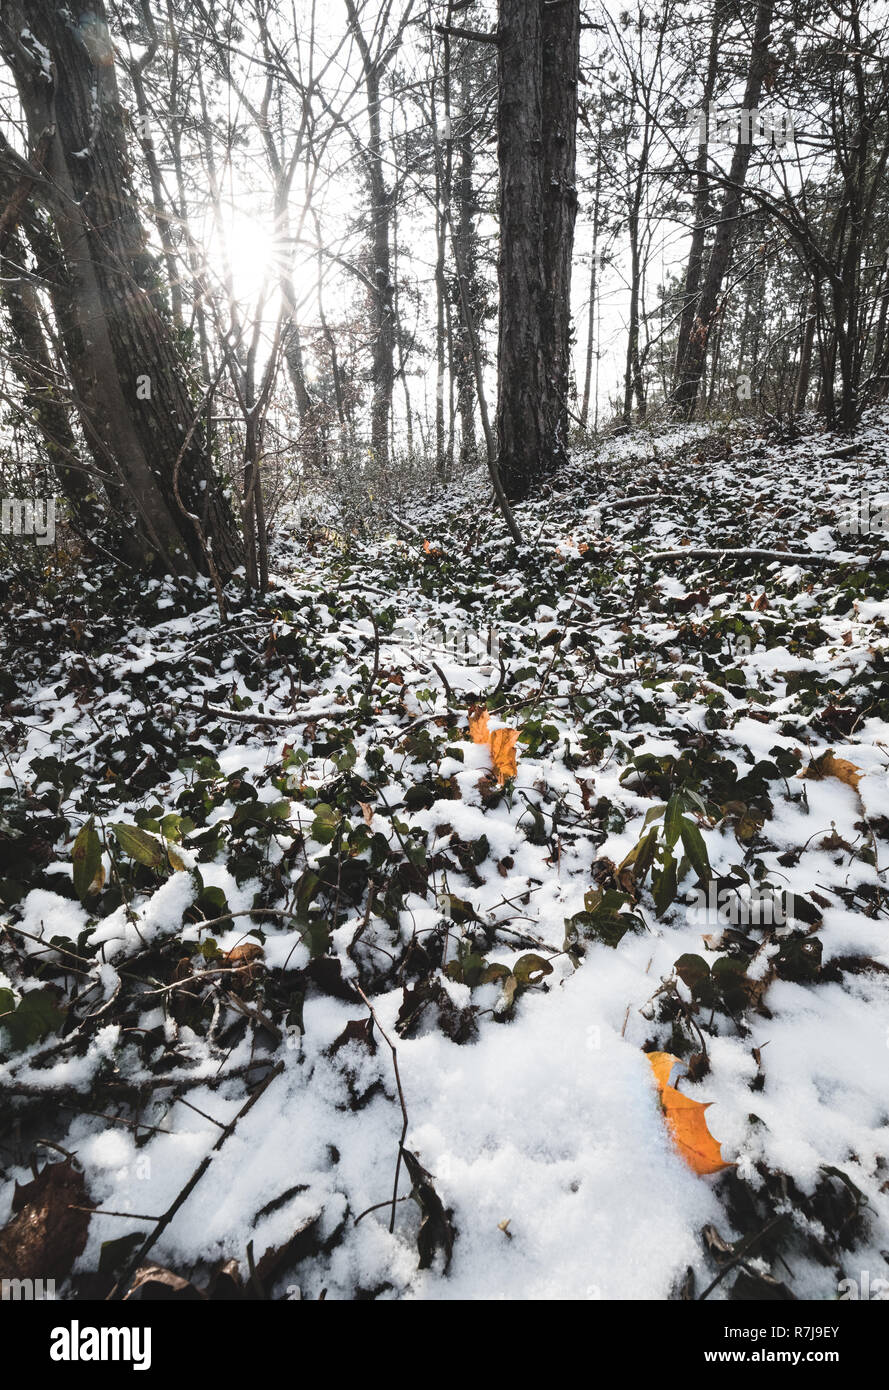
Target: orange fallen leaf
<point x="503" y="745"/>
<point x="686" y="1120"/>
<point x="830" y="766"/>
<point x="242" y="955"/>
<point x="478" y="724"/>
<point x="662" y="1064"/>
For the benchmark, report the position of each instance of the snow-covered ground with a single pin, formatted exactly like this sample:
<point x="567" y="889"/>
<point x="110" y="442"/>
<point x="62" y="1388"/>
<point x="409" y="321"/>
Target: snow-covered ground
<point x="362" y="840"/>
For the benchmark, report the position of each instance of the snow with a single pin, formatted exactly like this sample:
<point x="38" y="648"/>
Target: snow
<point x="542" y="1132"/>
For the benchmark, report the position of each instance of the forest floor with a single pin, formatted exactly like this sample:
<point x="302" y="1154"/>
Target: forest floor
<point x="261" y="889"/>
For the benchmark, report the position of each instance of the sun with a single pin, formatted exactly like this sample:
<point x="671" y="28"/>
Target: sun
<point x="253" y="254"/>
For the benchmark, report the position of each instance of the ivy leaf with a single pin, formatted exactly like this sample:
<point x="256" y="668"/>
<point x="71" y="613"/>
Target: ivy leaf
<point x="325" y="824"/>
<point x="139" y="845"/>
<point x="37" y="1015"/>
<point x="529" y="965"/>
<point x="86" y="858"/>
<point x="692" y="970"/>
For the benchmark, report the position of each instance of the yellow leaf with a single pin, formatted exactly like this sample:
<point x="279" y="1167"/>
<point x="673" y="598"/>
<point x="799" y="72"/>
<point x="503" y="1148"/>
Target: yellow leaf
<point x="686" y="1119"/>
<point x="478" y="724"/>
<point x="503" y="745"/>
<point x="830" y="766"/>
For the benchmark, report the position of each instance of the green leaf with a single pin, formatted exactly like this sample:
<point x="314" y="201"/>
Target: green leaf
<point x="317" y="938"/>
<point x="695" y="800"/>
<point x="692" y="970"/>
<point x="664" y="886"/>
<point x="604" y="921"/>
<point x="139" y="845"/>
<point x="696" y="849"/>
<point x="729" y="977"/>
<point x="325" y="824"/>
<point x="529" y="965"/>
<point x="673" y="820"/>
<point x="470" y="970"/>
<point x="307" y="889"/>
<point x="212" y="901"/>
<point x="36" y="1016"/>
<point x="641" y="856"/>
<point x="86" y="858"/>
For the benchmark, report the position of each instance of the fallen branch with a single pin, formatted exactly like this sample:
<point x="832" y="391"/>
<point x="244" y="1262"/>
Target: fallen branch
<point x="269" y="720"/>
<point x="126" y="1089"/>
<point x="625" y="503"/>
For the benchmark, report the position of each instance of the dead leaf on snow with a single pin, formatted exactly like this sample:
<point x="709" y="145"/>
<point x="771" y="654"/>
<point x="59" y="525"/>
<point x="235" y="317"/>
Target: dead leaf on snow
<point x="828" y="765"/>
<point x="503" y="756"/>
<point x="48" y="1231"/>
<point x="478" y="724"/>
<point x="686" y="1119"/>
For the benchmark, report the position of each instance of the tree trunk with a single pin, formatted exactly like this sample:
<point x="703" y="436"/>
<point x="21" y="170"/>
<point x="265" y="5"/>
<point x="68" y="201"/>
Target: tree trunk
<point x="591" y="313"/>
<point x="30" y="360"/>
<point x="685" y="395"/>
<point x="801" y="390"/>
<point x="465" y="256"/>
<point x="128" y="380"/>
<point x="701" y="204"/>
<point x="538" y="56"/>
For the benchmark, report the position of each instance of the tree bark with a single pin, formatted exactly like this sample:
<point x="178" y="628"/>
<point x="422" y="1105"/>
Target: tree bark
<point x="128" y="380"/>
<point x="465" y="255"/>
<point x="685" y="394"/>
<point x="538" y="57"/>
<point x="701" y="204"/>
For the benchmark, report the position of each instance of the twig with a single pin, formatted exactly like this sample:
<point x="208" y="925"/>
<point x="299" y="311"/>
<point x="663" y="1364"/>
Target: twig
<point x="391" y="1048"/>
<point x="744" y="1250"/>
<point x="120" y="1288"/>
